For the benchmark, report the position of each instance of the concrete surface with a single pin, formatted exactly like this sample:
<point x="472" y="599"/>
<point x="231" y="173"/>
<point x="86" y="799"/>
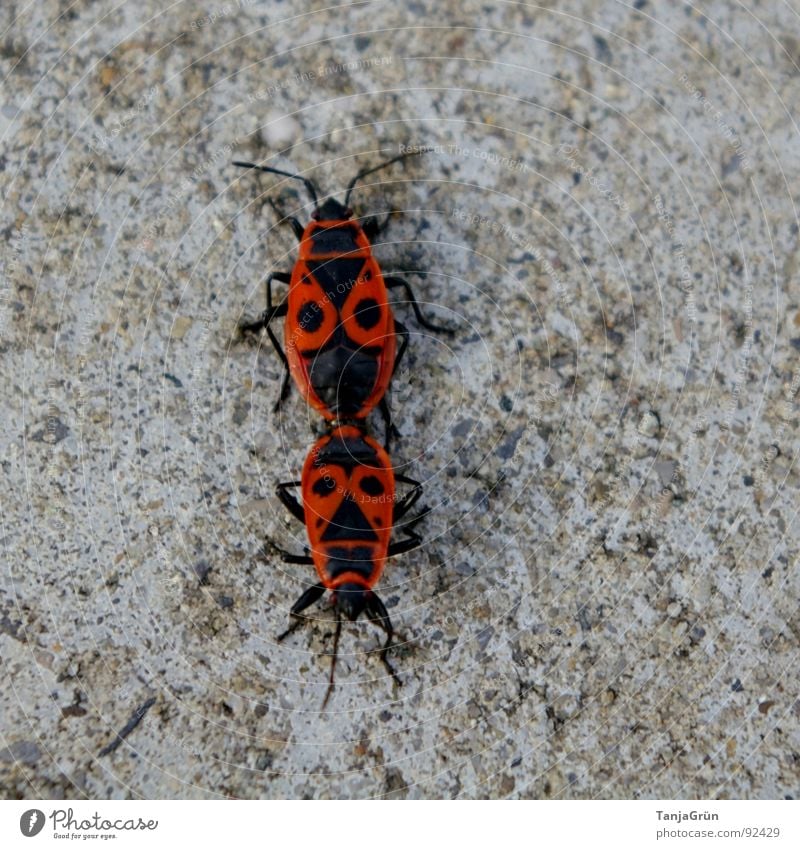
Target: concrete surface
<point x="606" y="604"/>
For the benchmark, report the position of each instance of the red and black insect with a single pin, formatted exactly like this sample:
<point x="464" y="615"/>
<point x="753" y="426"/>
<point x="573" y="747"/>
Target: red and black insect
<point x="349" y="510"/>
<point x="340" y="334"/>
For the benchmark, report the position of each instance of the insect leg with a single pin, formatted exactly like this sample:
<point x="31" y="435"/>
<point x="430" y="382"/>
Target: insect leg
<point x="265" y="321"/>
<point x="286" y="382"/>
<point x="398" y="282"/>
<point x="288" y="557"/>
<point x="376" y="611"/>
<point x="372" y="227"/>
<point x="402" y="332"/>
<point x="413" y="539"/>
<point x="289" y="501"/>
<point x="404" y="545"/>
<point x="271" y="311"/>
<point x="297" y="227"/>
<point x="277" y="311"/>
<point x="336" y="636"/>
<point x="308" y="598"/>
<point x="409" y="500"/>
<point x="391" y="431"/>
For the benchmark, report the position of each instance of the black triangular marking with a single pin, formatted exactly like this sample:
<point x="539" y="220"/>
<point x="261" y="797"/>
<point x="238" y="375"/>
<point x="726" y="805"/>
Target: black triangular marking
<point x="337" y="277"/>
<point x="349" y="523"/>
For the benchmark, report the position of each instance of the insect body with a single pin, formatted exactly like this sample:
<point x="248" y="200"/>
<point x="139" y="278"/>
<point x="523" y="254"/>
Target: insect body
<point x="349" y="509"/>
<point x="340" y="334"/>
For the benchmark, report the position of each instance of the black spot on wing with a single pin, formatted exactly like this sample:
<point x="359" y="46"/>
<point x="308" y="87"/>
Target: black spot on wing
<point x="324" y="487"/>
<point x="372" y="486"/>
<point x="310" y="316"/>
<point x="367" y="313"/>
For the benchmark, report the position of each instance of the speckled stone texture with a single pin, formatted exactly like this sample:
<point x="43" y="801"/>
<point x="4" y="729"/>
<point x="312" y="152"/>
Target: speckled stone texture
<point x="606" y="601"/>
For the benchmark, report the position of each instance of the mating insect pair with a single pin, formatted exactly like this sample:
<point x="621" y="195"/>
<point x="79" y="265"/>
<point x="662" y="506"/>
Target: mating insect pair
<point x="341" y="349"/>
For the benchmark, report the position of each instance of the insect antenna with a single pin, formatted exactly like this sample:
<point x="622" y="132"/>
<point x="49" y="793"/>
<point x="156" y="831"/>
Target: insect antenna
<point x="366" y="171"/>
<point x="333" y="662"/>
<point x="312" y="190"/>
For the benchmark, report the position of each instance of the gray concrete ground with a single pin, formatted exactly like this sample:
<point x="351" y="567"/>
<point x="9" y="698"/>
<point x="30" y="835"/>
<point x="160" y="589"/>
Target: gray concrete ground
<point x="606" y="603"/>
